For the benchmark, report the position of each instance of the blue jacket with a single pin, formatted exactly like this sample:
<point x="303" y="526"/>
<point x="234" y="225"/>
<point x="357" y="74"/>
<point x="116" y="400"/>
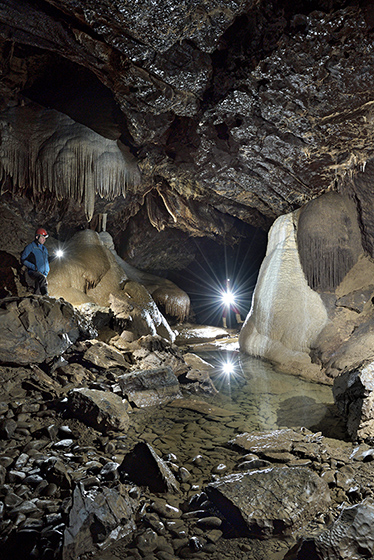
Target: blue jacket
<point x="35" y="257"/>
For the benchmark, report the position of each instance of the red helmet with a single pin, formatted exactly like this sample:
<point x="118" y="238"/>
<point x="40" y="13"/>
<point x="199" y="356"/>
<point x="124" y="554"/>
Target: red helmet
<point x="41" y="231"/>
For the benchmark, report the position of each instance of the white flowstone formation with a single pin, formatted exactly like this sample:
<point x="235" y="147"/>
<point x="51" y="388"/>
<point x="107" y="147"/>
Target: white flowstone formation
<point x="286" y="316"/>
<point x="89" y="273"/>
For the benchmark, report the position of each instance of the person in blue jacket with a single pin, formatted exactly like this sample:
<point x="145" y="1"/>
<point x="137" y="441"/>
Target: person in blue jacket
<point x="35" y="258"/>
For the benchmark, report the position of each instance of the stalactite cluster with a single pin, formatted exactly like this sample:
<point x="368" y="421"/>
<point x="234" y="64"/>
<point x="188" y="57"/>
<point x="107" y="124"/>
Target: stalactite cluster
<point x="328" y="240"/>
<point x="43" y="150"/>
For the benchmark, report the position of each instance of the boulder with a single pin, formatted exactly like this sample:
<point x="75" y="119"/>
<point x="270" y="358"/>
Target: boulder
<point x="277" y="441"/>
<point x="150" y="387"/>
<point x="271" y="502"/>
<point x="99" y="516"/>
<point x="145" y="468"/>
<point x="350" y="537"/>
<point x="37" y="329"/>
<point x="105" y="356"/>
<point x="354" y="398"/>
<point x="102" y="410"/>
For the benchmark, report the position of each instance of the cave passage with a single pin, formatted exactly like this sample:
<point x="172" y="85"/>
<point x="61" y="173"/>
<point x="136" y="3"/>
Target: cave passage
<point x="204" y="279"/>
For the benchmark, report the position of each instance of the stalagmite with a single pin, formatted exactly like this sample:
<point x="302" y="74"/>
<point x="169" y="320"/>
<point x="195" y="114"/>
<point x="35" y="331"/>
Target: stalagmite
<point x="286" y="315"/>
<point x="175" y="301"/>
<point x="90" y="273"/>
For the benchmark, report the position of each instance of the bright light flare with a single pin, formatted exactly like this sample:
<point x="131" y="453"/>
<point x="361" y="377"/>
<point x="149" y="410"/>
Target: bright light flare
<point x="59" y="253"/>
<point x="228" y="368"/>
<point x="228" y="298"/>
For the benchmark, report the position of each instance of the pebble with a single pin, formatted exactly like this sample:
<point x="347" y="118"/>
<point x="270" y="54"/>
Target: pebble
<point x="6" y="461"/>
<point x="219" y="469"/>
<point x="184" y="474"/>
<point x="166" y="510"/>
<point x="209" y="522"/>
<point x="199" y="460"/>
<point x="177" y="529"/>
<point x="147" y="541"/>
<point x="214" y="535"/>
<point x="154" y="522"/>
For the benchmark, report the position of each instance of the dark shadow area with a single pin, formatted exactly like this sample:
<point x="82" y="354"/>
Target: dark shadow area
<point x="317" y="417"/>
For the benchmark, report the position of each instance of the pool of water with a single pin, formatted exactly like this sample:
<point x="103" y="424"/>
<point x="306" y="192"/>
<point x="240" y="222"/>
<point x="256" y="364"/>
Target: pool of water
<point x="252" y="397"/>
<point x="267" y="399"/>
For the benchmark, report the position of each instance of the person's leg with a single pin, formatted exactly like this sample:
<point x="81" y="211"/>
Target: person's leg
<point x="41" y="284"/>
<point x="237" y="315"/>
<point x="33" y="281"/>
<point x="224" y="315"/>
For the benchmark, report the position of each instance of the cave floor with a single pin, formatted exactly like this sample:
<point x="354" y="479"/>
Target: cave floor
<point x="255" y="397"/>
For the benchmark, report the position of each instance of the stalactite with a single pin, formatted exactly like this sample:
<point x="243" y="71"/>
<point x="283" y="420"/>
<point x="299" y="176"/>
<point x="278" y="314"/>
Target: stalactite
<point x="46" y="150"/>
<point x="324" y="267"/>
<point x="328" y="240"/>
<point x="175" y="302"/>
<point x="156" y="215"/>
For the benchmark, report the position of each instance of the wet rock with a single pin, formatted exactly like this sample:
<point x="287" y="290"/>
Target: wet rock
<point x="100" y="409"/>
<point x="144" y="467"/>
<point x="110" y="471"/>
<point x="98" y="516"/>
<point x="276" y="501"/>
<point x="105" y="356"/>
<point x="353" y="392"/>
<point x="7" y="428"/>
<point x="75" y="373"/>
<point x="150" y="387"/>
<point x="56" y="472"/>
<point x="356" y="300"/>
<point x="209" y="523"/>
<point x="351" y="536"/>
<point x="184" y="474"/>
<point x="153" y="520"/>
<point x="165" y="510"/>
<point x="276" y="441"/>
<point x="254" y="464"/>
<point x="201" y="406"/>
<point x="36" y="329"/>
<point x="177" y="528"/>
<point x="147" y="541"/>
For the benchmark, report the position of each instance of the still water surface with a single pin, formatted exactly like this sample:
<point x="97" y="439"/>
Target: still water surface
<point x="253" y="397"/>
<point x="266" y="399"/>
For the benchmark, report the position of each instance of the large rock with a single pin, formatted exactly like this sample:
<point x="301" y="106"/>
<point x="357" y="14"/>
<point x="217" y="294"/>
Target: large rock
<point x="105" y="356"/>
<point x="102" y="410"/>
<point x="97" y="517"/>
<point x="276" y="441"/>
<point x="270" y="502"/>
<point x="36" y="329"/>
<point x="145" y="468"/>
<point x="350" y="537"/>
<point x="150" y="387"/>
<point x="354" y="397"/>
<point x="92" y="274"/>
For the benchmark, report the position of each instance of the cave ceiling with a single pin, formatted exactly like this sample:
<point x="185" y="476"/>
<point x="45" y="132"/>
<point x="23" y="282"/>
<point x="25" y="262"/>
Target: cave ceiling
<point x="197" y="116"/>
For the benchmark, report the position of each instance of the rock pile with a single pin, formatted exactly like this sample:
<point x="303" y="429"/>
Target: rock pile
<point x="87" y="472"/>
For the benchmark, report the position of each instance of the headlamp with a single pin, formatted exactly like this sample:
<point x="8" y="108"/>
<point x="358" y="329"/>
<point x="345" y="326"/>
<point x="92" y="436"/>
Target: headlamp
<point x="228" y="298"/>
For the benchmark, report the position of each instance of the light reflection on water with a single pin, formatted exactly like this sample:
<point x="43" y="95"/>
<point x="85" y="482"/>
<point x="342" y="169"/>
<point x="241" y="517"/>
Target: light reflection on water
<point x="267" y="399"/>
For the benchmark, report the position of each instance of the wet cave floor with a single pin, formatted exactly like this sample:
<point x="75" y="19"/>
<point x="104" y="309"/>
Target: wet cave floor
<point x="252" y="397"/>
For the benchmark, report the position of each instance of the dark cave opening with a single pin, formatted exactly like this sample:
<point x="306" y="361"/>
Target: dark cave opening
<point x="205" y="277"/>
